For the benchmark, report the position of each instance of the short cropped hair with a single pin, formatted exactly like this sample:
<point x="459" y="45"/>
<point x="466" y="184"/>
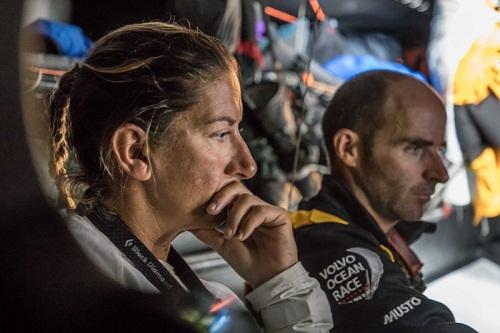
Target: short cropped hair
<point x="359" y="105"/>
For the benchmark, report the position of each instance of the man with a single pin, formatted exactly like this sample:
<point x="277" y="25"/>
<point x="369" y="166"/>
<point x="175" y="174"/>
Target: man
<point x="384" y="132"/>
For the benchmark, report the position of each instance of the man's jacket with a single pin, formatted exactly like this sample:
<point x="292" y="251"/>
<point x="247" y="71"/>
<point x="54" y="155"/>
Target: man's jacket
<point x="372" y="280"/>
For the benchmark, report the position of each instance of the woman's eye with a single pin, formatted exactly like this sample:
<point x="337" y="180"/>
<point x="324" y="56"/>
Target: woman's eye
<point x="221" y="135"/>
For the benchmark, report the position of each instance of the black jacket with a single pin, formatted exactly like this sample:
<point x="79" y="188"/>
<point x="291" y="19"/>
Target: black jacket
<point x="369" y="281"/>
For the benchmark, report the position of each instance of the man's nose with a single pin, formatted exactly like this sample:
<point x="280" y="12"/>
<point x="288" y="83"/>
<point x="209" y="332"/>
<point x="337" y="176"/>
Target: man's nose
<point x="242" y="165"/>
<point x="436" y="169"/>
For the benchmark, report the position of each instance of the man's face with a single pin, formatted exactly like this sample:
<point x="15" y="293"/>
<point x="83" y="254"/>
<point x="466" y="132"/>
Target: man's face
<point x="203" y="152"/>
<point x="400" y="174"/>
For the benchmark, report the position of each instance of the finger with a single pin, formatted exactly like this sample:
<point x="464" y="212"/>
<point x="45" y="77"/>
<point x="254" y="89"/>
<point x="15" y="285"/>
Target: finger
<point x="255" y="217"/>
<point x="262" y="216"/>
<point x="233" y="251"/>
<point x="224" y="197"/>
<point x="239" y="208"/>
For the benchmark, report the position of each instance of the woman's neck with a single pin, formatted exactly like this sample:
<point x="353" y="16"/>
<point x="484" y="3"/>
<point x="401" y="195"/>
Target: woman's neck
<point x="150" y="229"/>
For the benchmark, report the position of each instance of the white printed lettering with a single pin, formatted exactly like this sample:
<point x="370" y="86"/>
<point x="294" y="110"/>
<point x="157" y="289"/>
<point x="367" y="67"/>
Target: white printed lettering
<point x="337" y="265"/>
<point x="401" y="310"/>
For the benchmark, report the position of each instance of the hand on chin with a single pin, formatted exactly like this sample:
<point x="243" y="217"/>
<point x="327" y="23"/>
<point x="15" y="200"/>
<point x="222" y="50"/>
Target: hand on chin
<point x="258" y="239"/>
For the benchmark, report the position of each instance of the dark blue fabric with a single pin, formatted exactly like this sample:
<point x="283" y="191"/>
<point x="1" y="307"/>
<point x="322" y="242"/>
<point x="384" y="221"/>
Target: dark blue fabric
<point x="69" y="39"/>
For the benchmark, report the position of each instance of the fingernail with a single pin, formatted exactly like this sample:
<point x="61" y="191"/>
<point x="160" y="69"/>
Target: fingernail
<point x="228" y="234"/>
<point x="239" y="236"/>
<point x="212" y="206"/>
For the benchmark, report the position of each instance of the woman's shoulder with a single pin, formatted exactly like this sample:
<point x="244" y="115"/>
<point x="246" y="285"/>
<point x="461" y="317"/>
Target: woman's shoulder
<point x="93" y="242"/>
<point x="105" y="255"/>
<point x="88" y="236"/>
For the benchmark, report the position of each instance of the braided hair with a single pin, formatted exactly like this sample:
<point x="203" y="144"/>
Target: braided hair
<point x="60" y="127"/>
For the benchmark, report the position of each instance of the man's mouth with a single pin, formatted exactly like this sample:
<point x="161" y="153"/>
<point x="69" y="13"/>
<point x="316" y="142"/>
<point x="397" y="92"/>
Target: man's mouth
<point x="423" y="196"/>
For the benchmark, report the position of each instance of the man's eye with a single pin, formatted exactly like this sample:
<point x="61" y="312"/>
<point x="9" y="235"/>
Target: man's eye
<point x="442" y="154"/>
<point x="413" y="149"/>
<point x="442" y="151"/>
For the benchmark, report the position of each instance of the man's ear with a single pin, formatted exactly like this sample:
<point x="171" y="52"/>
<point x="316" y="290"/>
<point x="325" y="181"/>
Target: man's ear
<point x="127" y="144"/>
<point x="346" y="145"/>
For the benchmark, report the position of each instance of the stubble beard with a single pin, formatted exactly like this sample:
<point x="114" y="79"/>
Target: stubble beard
<point x="387" y="195"/>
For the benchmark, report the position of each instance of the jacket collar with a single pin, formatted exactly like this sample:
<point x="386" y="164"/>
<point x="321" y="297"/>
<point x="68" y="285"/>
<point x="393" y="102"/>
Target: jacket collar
<point x="335" y="198"/>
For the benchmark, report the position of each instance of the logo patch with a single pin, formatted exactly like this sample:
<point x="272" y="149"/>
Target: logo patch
<point x="401" y="310"/>
<point x="353" y="277"/>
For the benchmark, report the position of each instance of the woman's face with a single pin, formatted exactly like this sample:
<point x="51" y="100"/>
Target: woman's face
<point x="203" y="152"/>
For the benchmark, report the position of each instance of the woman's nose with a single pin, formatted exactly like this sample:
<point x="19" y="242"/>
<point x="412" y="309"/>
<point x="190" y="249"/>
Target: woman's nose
<point x="242" y="165"/>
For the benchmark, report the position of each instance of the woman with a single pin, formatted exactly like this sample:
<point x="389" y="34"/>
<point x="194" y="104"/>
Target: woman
<point x="146" y="145"/>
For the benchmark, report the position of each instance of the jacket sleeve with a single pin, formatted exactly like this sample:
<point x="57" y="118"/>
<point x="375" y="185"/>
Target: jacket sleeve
<point x="292" y="301"/>
<point x="365" y="286"/>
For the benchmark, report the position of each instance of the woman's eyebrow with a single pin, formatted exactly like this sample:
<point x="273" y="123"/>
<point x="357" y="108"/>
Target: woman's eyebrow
<point x="229" y="120"/>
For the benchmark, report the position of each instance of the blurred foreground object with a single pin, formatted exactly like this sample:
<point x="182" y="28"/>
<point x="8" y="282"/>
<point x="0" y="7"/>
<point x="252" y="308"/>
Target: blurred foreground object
<point x="476" y="93"/>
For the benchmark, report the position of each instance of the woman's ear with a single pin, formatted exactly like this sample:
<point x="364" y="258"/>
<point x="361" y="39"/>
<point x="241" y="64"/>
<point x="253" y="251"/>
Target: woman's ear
<point x="346" y="145"/>
<point x="127" y="144"/>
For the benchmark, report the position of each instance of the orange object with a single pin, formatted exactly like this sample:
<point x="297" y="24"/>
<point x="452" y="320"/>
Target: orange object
<point x="308" y="79"/>
<point x="48" y="71"/>
<point x="219" y="305"/>
<point x="280" y="15"/>
<point x="486" y="168"/>
<point x="320" y="15"/>
<point x="478" y="73"/>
